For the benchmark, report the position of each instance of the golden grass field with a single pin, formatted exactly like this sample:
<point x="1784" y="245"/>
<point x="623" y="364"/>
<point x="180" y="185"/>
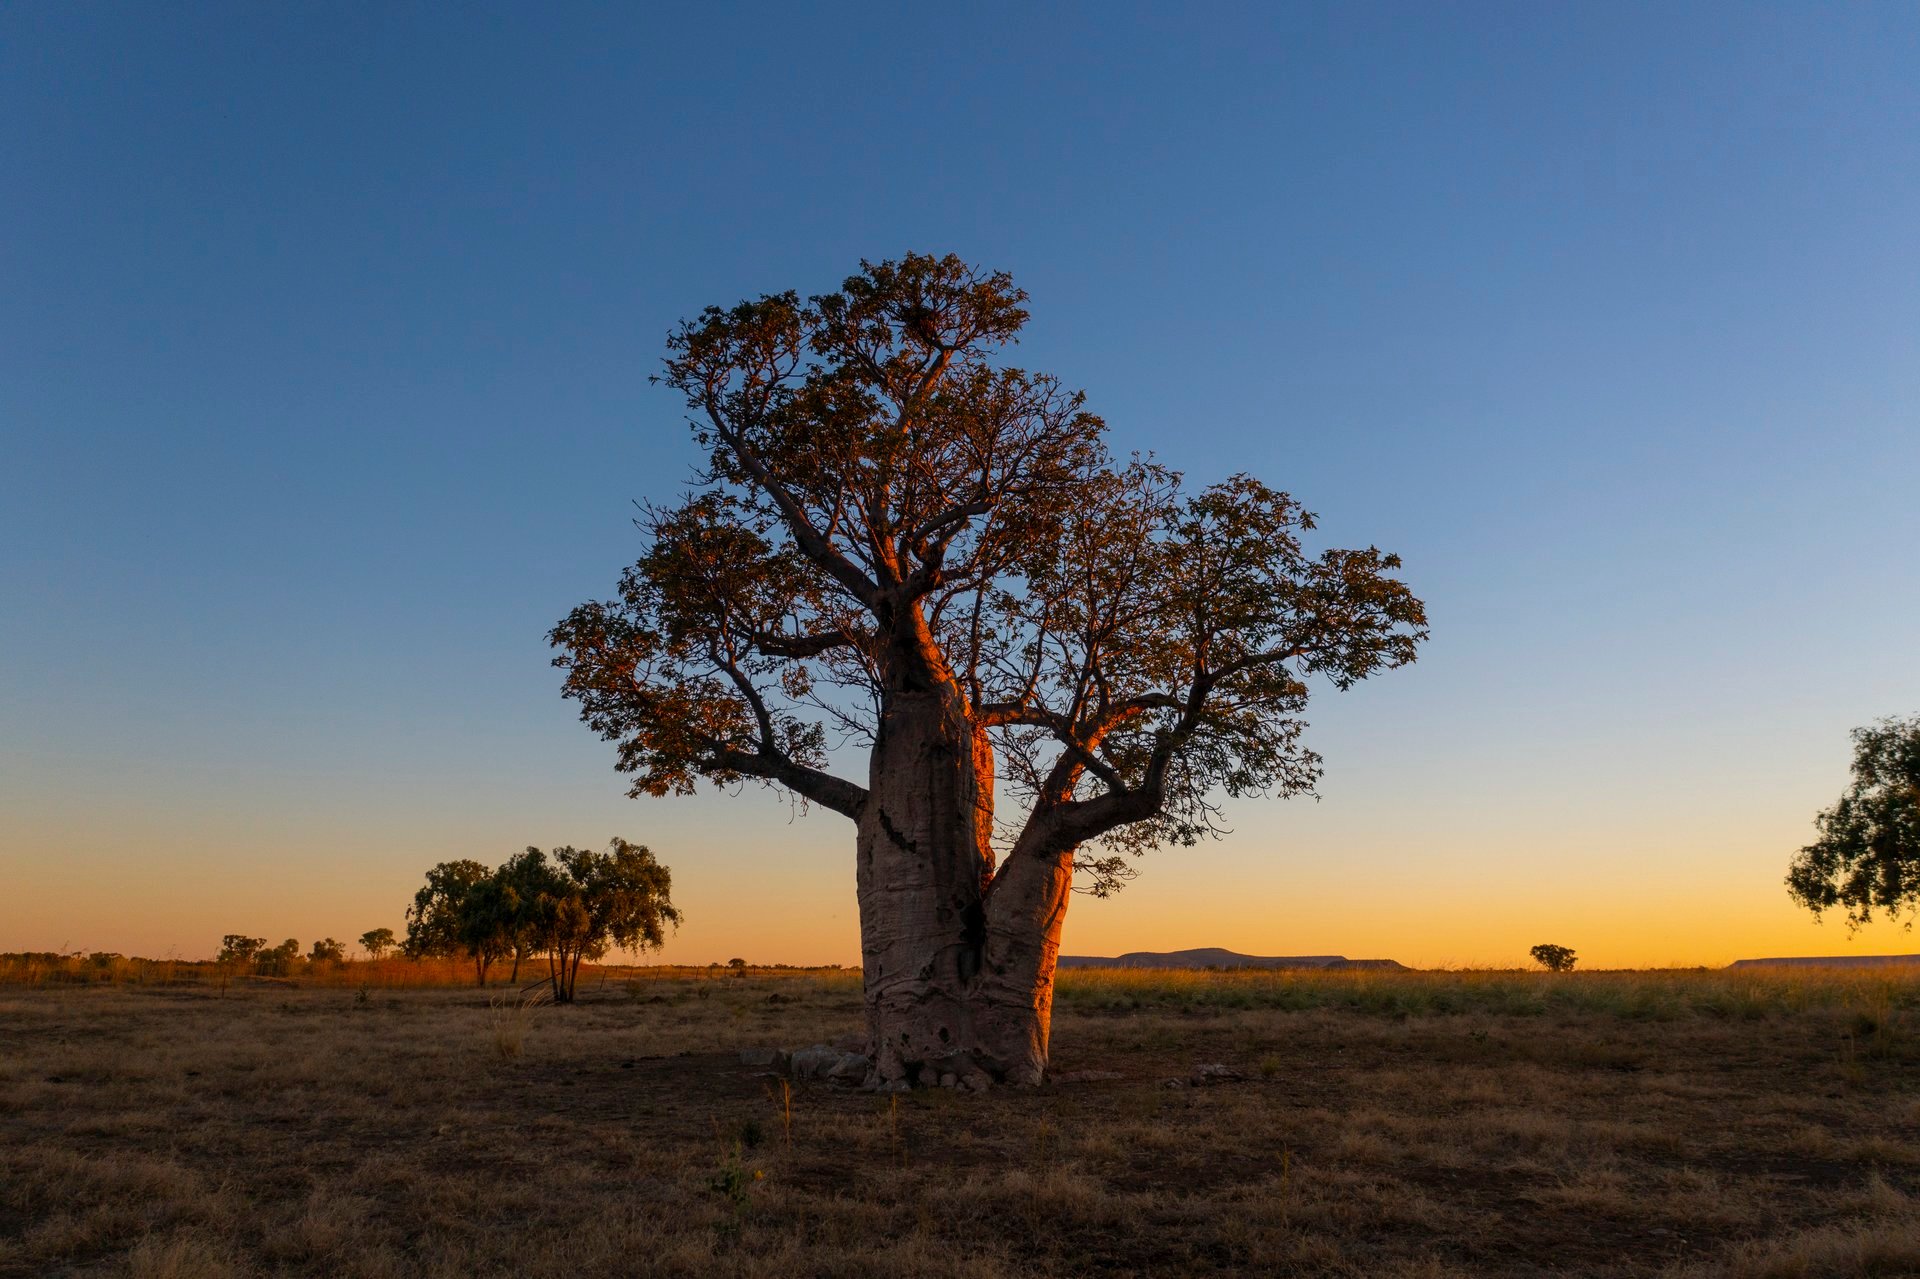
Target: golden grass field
<point x="1388" y="1124"/>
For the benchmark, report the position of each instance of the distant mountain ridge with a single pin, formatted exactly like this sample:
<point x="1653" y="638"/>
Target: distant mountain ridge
<point x="1827" y="961"/>
<point x="1216" y="957"/>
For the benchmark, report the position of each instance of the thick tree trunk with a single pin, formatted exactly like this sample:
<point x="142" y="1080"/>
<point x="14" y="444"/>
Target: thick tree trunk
<point x="958" y="961"/>
<point x="1013" y="1003"/>
<point x="959" y="979"/>
<point x="922" y="852"/>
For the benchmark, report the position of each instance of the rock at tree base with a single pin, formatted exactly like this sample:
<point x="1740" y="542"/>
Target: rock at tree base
<point x="852" y="1068"/>
<point x="815" y="1062"/>
<point x="766" y="1058"/>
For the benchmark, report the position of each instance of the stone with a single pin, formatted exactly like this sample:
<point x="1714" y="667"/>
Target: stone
<point x="814" y="1062"/>
<point x="766" y="1058"/>
<point x="851" y="1044"/>
<point x="949" y="1079"/>
<point x="1214" y="1073"/>
<point x="850" y="1069"/>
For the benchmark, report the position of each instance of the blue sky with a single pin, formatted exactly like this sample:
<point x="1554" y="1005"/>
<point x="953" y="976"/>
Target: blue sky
<point x="324" y="333"/>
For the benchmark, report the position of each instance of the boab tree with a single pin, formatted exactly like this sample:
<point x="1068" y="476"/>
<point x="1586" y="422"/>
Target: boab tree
<point x="900" y="543"/>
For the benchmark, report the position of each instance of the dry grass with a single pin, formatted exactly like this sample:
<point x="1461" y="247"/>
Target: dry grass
<point x="49" y="969"/>
<point x="1685" y="1124"/>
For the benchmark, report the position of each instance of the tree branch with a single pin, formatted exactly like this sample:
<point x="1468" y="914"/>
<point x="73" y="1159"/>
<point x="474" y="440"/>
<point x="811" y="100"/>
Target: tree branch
<point x="818" y="787"/>
<point x="797" y="646"/>
<point x="805" y="536"/>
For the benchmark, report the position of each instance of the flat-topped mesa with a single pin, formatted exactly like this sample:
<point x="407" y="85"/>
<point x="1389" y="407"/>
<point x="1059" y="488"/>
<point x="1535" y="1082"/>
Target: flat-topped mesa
<point x="1217" y="957"/>
<point x="1823" y="961"/>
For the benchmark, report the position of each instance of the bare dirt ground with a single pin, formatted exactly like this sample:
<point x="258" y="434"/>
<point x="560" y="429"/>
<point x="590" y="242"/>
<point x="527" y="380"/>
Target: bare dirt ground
<point x="1389" y="1125"/>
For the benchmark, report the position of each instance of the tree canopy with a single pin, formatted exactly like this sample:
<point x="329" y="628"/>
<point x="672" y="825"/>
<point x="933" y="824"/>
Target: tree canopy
<point x="901" y="544"/>
<point x="1867" y="856"/>
<point x="881" y="497"/>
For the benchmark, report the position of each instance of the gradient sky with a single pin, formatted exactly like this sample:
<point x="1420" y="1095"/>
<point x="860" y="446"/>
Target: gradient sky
<point x="324" y="336"/>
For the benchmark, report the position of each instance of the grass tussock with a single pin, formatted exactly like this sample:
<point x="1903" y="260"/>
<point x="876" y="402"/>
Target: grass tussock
<point x="512" y="1017"/>
<point x="1679" y="1125"/>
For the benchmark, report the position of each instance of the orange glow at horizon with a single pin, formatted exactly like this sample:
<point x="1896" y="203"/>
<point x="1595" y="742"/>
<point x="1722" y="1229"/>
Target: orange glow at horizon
<point x="1297" y="878"/>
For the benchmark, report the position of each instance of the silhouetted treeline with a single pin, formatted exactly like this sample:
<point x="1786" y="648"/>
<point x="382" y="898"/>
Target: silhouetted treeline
<point x="36" y="968"/>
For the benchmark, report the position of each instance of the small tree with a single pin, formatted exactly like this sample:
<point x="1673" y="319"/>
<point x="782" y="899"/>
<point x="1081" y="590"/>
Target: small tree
<point x="238" y="948"/>
<point x="522" y="879"/>
<point x="593" y="901"/>
<point x="434" y="924"/>
<point x="377" y="942"/>
<point x="1868" y="855"/>
<point x="279" y="961"/>
<point x="1555" y="959"/>
<point x="327" y="951"/>
<point x="485" y="921"/>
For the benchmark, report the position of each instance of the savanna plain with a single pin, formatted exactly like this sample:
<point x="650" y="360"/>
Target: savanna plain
<point x="1365" y="1123"/>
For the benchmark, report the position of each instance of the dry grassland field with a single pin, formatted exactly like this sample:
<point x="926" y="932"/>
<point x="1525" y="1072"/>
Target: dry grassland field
<point x="1384" y="1124"/>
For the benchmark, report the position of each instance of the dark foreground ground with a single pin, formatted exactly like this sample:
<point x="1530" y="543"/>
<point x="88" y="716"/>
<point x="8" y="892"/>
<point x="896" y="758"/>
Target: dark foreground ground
<point x="1389" y="1125"/>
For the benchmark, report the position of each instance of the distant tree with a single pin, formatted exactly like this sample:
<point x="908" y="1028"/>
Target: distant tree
<point x="327" y="951"/>
<point x="279" y="961"/>
<point x="485" y="923"/>
<point x="522" y="879"/>
<point x="238" y="948"/>
<point x="595" y="901"/>
<point x="1555" y="959"/>
<point x="434" y="920"/>
<point x="1867" y="857"/>
<point x="377" y="942"/>
<point x="738" y="965"/>
<point x="567" y="937"/>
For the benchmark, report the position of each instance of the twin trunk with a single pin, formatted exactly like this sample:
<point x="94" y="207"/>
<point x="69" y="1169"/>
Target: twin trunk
<point x="958" y="960"/>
